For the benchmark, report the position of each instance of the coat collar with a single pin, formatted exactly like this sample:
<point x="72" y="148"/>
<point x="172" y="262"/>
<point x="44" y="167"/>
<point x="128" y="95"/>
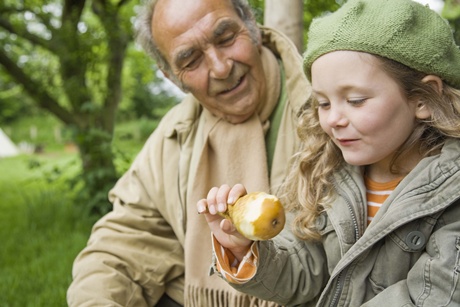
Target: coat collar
<point x="429" y="188"/>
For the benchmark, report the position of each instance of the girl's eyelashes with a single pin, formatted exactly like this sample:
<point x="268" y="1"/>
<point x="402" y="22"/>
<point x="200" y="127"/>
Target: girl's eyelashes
<point x="356" y="101"/>
<point x="353" y="102"/>
<point x="319" y="103"/>
<point x="323" y="104"/>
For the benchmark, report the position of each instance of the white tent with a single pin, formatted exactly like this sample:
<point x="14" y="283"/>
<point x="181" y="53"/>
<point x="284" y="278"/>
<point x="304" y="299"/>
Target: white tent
<point x="7" y="147"/>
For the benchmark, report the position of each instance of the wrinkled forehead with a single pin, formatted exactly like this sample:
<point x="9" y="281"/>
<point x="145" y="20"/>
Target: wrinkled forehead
<point x="178" y="23"/>
<point x="173" y="17"/>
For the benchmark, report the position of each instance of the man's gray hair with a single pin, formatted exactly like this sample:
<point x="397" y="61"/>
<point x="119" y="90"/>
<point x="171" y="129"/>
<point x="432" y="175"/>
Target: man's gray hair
<point x="144" y="36"/>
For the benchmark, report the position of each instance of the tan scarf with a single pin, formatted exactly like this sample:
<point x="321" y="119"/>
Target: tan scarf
<point x="229" y="154"/>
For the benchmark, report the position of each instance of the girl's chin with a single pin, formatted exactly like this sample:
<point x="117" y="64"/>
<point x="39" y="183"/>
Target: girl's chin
<point x="356" y="162"/>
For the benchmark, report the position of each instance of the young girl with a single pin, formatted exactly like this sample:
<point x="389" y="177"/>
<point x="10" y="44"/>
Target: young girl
<point x="375" y="188"/>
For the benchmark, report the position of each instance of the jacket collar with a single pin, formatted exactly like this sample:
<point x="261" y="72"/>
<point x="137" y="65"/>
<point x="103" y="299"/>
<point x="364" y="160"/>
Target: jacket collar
<point x="428" y="189"/>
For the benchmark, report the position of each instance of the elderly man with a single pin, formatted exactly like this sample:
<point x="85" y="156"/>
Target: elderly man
<point x="237" y="124"/>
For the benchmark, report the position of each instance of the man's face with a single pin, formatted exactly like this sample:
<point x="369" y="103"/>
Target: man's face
<point x="212" y="55"/>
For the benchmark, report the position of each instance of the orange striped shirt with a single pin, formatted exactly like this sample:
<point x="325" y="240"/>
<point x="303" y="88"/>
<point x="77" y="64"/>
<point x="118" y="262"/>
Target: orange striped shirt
<point x="376" y="194"/>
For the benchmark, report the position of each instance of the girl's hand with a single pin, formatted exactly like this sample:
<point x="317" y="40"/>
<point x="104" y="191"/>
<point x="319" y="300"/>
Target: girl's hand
<point x="223" y="229"/>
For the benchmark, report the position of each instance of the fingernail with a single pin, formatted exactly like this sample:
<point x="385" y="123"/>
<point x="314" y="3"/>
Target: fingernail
<point x="221" y="207"/>
<point x="201" y="208"/>
<point x="212" y="209"/>
<point x="231" y="200"/>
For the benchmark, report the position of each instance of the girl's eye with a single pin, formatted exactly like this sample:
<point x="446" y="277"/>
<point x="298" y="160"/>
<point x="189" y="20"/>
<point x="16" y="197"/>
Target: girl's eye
<point x="323" y="104"/>
<point x="356" y="101"/>
<point x="320" y="102"/>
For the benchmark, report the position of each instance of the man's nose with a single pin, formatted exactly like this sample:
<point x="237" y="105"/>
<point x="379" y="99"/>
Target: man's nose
<point x="220" y="65"/>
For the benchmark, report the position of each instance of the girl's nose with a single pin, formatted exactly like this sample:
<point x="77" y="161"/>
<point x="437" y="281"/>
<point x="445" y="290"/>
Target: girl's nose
<point x="336" y="117"/>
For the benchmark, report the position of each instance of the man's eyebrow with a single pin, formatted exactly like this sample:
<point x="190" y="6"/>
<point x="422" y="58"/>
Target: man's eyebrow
<point x="182" y="55"/>
<point x="223" y="26"/>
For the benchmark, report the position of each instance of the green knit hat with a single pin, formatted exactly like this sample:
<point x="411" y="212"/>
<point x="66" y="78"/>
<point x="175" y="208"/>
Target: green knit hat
<point x="402" y="30"/>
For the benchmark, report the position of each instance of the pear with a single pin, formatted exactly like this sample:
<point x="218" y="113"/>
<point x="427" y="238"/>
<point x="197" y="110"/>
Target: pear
<point x="257" y="216"/>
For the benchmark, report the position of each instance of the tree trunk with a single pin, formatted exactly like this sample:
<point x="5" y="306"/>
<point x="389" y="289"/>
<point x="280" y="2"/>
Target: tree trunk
<point x="99" y="173"/>
<point x="287" y="17"/>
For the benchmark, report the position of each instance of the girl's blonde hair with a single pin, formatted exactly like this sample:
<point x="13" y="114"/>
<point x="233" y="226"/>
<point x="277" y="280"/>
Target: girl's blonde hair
<point x="308" y="189"/>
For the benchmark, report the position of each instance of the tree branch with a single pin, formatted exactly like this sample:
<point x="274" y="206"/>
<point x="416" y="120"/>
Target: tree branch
<point x="44" y="17"/>
<point x="35" y="90"/>
<point x="117" y="39"/>
<point x="25" y="34"/>
<point x="72" y="11"/>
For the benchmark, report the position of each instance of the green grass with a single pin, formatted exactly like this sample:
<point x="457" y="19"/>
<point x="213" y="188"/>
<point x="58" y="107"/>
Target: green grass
<point x="41" y="232"/>
<point x="41" y="229"/>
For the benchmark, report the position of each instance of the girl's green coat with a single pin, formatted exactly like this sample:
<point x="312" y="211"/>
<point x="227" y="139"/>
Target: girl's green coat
<point x="408" y="256"/>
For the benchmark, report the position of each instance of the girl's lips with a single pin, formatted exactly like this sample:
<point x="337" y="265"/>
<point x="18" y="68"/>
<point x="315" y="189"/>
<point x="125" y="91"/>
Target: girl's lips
<point x="346" y="142"/>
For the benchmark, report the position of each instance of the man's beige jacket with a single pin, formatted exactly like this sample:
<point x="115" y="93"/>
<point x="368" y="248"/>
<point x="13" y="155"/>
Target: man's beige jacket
<point x="136" y="252"/>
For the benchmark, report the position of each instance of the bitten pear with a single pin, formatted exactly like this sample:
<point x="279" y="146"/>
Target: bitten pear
<point x="257" y="216"/>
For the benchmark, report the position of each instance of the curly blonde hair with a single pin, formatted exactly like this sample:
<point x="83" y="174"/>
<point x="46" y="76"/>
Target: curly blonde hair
<point x="308" y="189"/>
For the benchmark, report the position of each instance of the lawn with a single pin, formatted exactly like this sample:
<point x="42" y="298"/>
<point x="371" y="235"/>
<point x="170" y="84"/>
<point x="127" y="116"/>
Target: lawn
<point x="41" y="231"/>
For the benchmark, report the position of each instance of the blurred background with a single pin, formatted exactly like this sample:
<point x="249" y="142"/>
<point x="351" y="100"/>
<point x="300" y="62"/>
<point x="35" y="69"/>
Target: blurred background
<point x="78" y="98"/>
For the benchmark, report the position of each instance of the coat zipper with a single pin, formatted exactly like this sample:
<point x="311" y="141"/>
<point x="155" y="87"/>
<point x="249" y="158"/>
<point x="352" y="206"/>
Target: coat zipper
<point x="340" y="285"/>
<point x="338" y="290"/>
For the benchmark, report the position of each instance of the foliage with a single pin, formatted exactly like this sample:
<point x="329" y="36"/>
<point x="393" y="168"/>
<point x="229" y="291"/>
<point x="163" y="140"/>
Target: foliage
<point x="314" y="8"/>
<point x="451" y="12"/>
<point x="144" y="94"/>
<point x="149" y="99"/>
<point x="258" y="7"/>
<point x="68" y="56"/>
<point x="76" y="59"/>
<point x="311" y="9"/>
<point x="13" y="103"/>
